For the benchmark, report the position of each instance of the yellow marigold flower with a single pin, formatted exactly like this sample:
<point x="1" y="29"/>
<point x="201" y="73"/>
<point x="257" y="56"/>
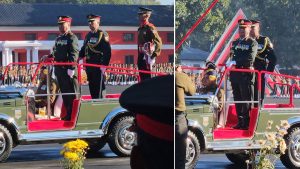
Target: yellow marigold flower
<point x="282" y="146"/>
<point x="273" y="143"/>
<point x="268" y="148"/>
<point x="270" y="136"/>
<point x="285" y="124"/>
<point x="269" y="124"/>
<point x="71" y="156"/>
<point x="282" y="132"/>
<point x="262" y="142"/>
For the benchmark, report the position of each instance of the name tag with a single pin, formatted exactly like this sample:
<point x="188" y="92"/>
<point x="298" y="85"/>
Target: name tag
<point x="93" y="40"/>
<point x="260" y="46"/>
<point x="62" y="42"/>
<point x="242" y="47"/>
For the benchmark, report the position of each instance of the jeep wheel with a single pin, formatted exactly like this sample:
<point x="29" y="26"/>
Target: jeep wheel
<point x="291" y="158"/>
<point x="95" y="145"/>
<point x="192" y="150"/>
<point x="120" y="140"/>
<point x="6" y="143"/>
<point x="238" y="159"/>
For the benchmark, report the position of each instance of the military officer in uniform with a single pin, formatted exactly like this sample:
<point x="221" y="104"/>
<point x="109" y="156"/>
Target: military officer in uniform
<point x="210" y="86"/>
<point x="97" y="50"/>
<point x="149" y="43"/>
<point x="184" y="86"/>
<point x="243" y="53"/>
<point x="66" y="50"/>
<point x="265" y="59"/>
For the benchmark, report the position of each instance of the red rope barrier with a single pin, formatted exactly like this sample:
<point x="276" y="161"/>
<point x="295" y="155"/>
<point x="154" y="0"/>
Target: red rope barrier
<point x="116" y="70"/>
<point x="196" y="24"/>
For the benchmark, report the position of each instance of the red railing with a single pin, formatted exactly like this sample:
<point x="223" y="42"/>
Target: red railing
<point x="110" y="69"/>
<point x="222" y="74"/>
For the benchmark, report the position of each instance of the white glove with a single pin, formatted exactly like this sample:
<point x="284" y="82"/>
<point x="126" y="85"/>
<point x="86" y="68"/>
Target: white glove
<point x="151" y="61"/>
<point x="267" y="76"/>
<point x="103" y="69"/>
<point x="231" y="63"/>
<point x="71" y="73"/>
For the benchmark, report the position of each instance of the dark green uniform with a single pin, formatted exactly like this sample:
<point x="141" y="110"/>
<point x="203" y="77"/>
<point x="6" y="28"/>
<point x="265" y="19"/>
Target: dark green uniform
<point x="184" y="86"/>
<point x="97" y="50"/>
<point x="243" y="52"/>
<point x="66" y="50"/>
<point x="264" y="52"/>
<point x="147" y="33"/>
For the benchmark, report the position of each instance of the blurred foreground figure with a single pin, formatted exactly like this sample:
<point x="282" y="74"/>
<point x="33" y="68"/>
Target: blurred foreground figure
<point x="152" y="101"/>
<point x="184" y="86"/>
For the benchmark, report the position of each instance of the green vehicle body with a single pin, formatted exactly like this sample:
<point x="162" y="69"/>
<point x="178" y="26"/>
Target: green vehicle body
<point x="99" y="121"/>
<point x="202" y="122"/>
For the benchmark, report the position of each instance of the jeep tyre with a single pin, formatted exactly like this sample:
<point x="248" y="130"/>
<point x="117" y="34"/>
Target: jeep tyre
<point x="6" y="143"/>
<point x="192" y="150"/>
<point x="238" y="159"/>
<point x="120" y="140"/>
<point x="291" y="158"/>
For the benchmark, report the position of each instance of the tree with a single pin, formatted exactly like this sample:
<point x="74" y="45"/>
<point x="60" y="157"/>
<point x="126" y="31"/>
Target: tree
<point x="280" y="21"/>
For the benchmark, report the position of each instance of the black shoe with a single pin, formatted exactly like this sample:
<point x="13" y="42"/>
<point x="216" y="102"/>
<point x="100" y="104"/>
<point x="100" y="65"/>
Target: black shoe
<point x="66" y="118"/>
<point x="244" y="127"/>
<point x="238" y="126"/>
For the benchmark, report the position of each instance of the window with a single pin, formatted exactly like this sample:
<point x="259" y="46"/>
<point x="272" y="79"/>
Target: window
<point x="78" y="36"/>
<point x="129" y="59"/>
<point x="170" y="37"/>
<point x="127" y="37"/>
<point x="52" y="36"/>
<point x="30" y="36"/>
<point x="171" y="58"/>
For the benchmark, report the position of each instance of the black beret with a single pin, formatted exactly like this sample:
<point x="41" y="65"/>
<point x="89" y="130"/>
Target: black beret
<point x="210" y="65"/>
<point x="143" y="10"/>
<point x="92" y="17"/>
<point x="153" y="97"/>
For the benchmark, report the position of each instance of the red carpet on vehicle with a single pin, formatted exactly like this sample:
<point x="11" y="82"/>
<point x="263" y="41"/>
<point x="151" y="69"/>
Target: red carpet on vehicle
<point x="229" y="133"/>
<point x="55" y="124"/>
<point x="88" y="97"/>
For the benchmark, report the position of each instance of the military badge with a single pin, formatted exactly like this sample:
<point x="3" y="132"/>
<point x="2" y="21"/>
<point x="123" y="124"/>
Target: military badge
<point x="106" y="38"/>
<point x="271" y="45"/>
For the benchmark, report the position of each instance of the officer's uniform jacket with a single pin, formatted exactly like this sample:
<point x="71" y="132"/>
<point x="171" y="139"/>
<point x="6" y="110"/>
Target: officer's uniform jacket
<point x="264" y="51"/>
<point x="66" y="48"/>
<point x="148" y="33"/>
<point x="96" y="48"/>
<point x="243" y="52"/>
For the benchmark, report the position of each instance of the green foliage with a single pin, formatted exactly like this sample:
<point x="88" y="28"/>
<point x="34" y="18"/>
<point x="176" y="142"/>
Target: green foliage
<point x="280" y="21"/>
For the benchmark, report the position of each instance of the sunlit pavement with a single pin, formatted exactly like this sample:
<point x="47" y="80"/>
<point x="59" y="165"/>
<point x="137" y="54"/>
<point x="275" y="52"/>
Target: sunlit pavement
<point x="46" y="156"/>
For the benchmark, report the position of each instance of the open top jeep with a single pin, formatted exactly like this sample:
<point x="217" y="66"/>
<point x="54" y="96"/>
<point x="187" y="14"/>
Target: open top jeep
<point x="98" y="121"/>
<point x="280" y="104"/>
